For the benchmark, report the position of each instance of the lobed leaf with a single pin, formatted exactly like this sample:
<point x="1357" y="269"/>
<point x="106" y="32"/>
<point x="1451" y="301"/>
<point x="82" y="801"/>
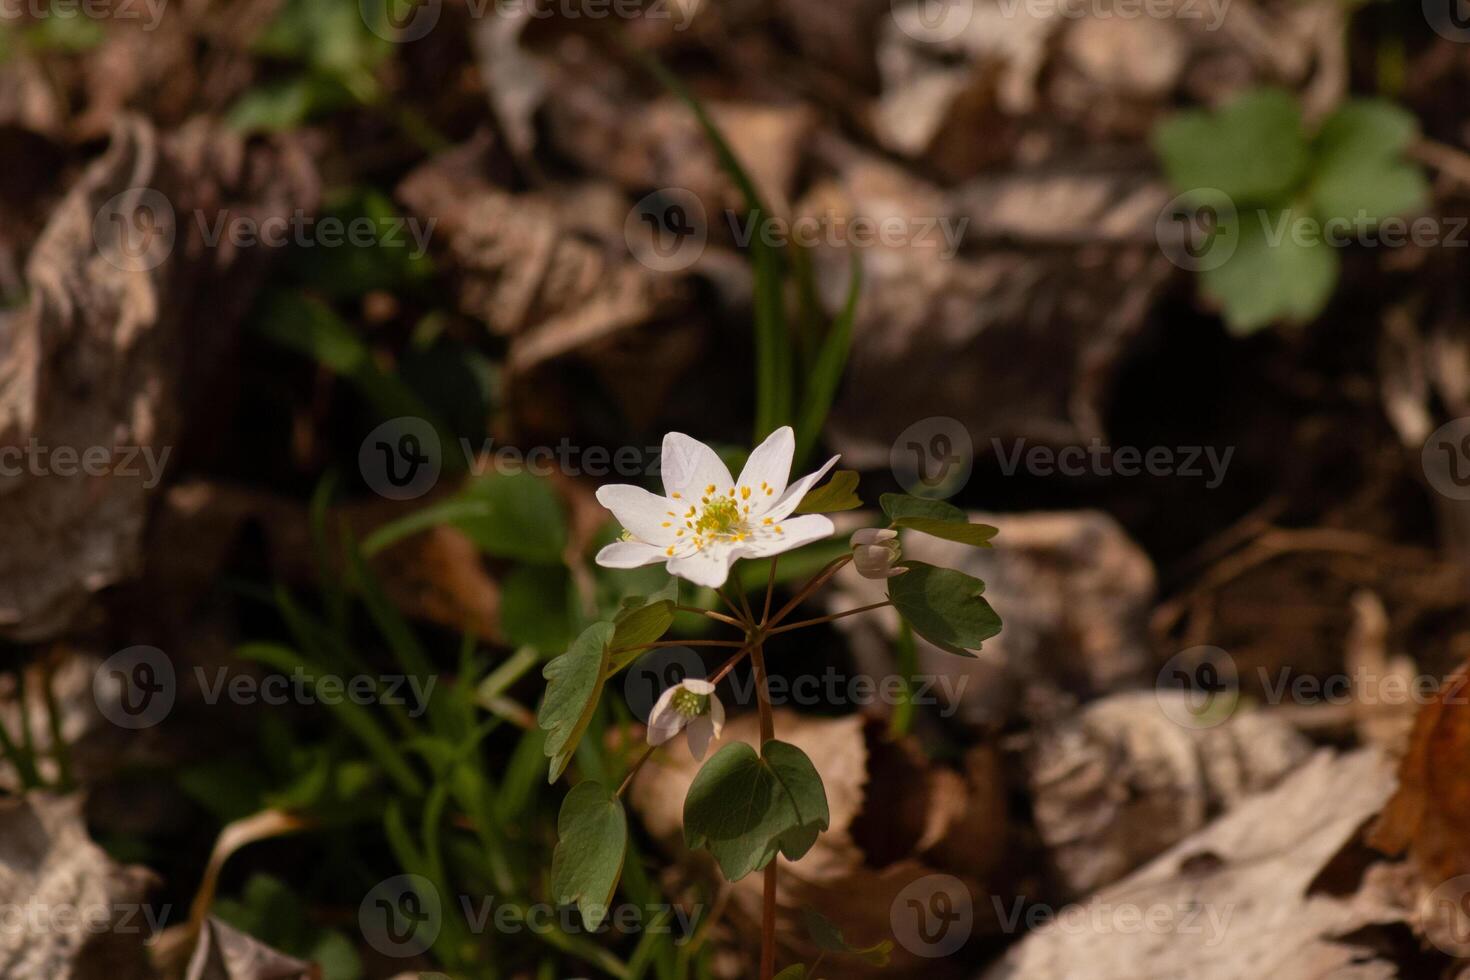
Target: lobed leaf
<point x="936" y="518"/>
<point x="592" y="843"/>
<point x="575" y="681"/>
<point x="640" y="621"/>
<point x="1253" y="149"/>
<point x="837" y="494"/>
<point x="944" y="606"/>
<point x="744" y="807"/>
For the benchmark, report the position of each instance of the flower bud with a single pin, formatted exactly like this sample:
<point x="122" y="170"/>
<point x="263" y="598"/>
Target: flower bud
<point x="875" y="552"/>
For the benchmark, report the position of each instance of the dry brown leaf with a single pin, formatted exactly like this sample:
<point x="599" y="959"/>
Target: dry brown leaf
<point x="1010" y="341"/>
<point x="1237" y="899"/>
<point x="99" y="362"/>
<point x="1121" y="781"/>
<point x="226" y="953"/>
<point x="551" y="271"/>
<point x="1429" y="815"/>
<point x="52" y="873"/>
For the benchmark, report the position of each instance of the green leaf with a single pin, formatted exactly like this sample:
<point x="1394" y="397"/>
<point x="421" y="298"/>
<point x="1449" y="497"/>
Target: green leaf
<point x="835" y="495"/>
<point x="1360" y="172"/>
<point x="1371" y="129"/>
<point x="1365" y="192"/>
<point x="1253" y="149"/>
<point x="796" y="971"/>
<point x="1275" y="274"/>
<point x="279" y="106"/>
<point x="575" y="682"/>
<point x="937" y="518"/>
<point x="944" y="606"/>
<point x="524" y="520"/>
<point x="976" y="535"/>
<point x="828" y="937"/>
<point x="899" y="506"/>
<point x="746" y="807"/>
<point x="641" y="621"/>
<point x="592" y="841"/>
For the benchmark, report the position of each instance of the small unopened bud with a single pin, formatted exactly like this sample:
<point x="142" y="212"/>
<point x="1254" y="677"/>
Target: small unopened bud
<point x="875" y="552"/>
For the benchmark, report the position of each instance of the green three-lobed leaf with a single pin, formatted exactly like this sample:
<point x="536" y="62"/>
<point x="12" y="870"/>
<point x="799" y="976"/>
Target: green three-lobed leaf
<point x="592" y="841"/>
<point x="1289" y="199"/>
<point x="746" y="807"/>
<point x="642" y="621"/>
<point x="575" y="681"/>
<point x="935" y="518"/>
<point x="944" y="606"/>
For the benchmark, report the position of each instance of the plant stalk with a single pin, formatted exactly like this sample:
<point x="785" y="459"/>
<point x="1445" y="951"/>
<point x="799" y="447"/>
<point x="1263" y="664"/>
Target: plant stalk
<point x="768" y="897"/>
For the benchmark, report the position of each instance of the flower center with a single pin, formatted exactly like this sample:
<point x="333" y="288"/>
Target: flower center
<point x="720" y="517"/>
<point x="689" y="704"/>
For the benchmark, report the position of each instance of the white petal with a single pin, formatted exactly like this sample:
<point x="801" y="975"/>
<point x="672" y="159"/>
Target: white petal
<point x="663" y="721"/>
<point x="769" y="464"/>
<point x="630" y="554"/>
<point x="699" y="733"/>
<point x="642" y="513"/>
<point x="689" y="467"/>
<point x="716" y="715"/>
<point x="709" y="566"/>
<point x="795" y="532"/>
<point x="870" y="536"/>
<point x="788" y="502"/>
<point x="696" y="685"/>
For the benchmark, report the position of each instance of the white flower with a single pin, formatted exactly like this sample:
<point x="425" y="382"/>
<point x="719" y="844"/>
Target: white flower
<point x="875" y="551"/>
<point x="706" y="521"/>
<point x="690" y="705"/>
